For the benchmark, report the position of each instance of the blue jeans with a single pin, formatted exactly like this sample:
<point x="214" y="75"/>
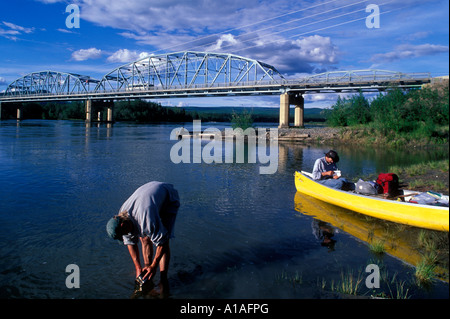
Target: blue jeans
<point x="340" y="183"/>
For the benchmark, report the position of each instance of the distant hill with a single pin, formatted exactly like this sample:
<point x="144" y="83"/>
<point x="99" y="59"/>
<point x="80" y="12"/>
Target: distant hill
<point x="259" y="114"/>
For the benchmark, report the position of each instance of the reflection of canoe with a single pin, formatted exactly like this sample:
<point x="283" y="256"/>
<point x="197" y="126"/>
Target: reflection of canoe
<point x="424" y="216"/>
<point x="399" y="243"/>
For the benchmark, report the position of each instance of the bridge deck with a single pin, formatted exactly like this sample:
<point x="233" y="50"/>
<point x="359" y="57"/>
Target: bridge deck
<point x="227" y="89"/>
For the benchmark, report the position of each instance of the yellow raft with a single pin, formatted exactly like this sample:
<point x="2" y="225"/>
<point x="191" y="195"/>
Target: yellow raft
<point x="423" y="216"/>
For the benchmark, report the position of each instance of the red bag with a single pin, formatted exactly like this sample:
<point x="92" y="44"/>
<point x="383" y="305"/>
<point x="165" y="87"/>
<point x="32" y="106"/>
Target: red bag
<point x="388" y="182"/>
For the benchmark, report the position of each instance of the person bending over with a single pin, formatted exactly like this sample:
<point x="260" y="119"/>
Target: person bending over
<point x="148" y="215"/>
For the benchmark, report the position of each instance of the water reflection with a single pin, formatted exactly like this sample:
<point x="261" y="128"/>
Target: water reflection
<point x="399" y="241"/>
<point x="324" y="232"/>
<point x="62" y="181"/>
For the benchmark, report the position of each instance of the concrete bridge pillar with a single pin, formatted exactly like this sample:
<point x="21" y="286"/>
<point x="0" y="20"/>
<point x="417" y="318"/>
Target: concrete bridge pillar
<point x="284" y="110"/>
<point x="19" y="113"/>
<point x="88" y="111"/>
<point x="286" y="100"/>
<point x="110" y="112"/>
<point x="299" y="103"/>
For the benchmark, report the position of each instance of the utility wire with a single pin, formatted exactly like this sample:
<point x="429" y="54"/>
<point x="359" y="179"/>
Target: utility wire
<point x="316" y="30"/>
<point x="246" y="26"/>
<point x="297" y="27"/>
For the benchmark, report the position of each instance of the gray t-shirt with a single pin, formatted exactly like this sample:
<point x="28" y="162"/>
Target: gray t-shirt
<point x="152" y="208"/>
<point x="321" y="166"/>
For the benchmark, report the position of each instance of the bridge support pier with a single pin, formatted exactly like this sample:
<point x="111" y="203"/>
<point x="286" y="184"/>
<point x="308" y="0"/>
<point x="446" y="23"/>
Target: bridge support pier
<point x="299" y="103"/>
<point x="88" y="111"/>
<point x="109" y="114"/>
<point x="19" y="113"/>
<point x="286" y="100"/>
<point x="284" y="110"/>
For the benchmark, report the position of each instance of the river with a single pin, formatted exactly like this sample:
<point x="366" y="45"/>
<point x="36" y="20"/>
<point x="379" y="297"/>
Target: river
<point x="238" y="234"/>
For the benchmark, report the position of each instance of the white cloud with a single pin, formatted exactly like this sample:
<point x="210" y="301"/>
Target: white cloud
<point x="2" y="81"/>
<point x="19" y="28"/>
<point x="198" y="25"/>
<point x="125" y="55"/>
<point x="406" y="51"/>
<point x="224" y="40"/>
<point x="85" y="54"/>
<point x="65" y="31"/>
<point x="145" y="15"/>
<point x="311" y="54"/>
<point x="13" y="30"/>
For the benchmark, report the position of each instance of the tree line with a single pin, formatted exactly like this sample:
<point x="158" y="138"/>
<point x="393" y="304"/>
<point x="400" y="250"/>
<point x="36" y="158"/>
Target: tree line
<point x="420" y="113"/>
<point x="131" y="110"/>
<point x="145" y="111"/>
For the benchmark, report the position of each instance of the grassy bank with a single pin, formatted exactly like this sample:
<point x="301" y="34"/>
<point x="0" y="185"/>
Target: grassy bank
<point x="433" y="175"/>
<point x="369" y="135"/>
<point x="422" y="177"/>
<point x="395" y="118"/>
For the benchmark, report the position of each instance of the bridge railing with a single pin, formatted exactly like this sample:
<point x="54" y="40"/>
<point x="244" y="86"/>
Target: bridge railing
<point x="324" y="80"/>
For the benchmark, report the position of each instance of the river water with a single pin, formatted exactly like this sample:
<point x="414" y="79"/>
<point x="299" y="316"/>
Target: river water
<point x="239" y="233"/>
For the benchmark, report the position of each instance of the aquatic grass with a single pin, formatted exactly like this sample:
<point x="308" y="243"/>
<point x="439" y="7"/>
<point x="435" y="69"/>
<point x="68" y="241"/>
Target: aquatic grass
<point x="428" y="242"/>
<point x="401" y="292"/>
<point x="424" y="273"/>
<point x="295" y="279"/>
<point x="349" y="284"/>
<point x="422" y="238"/>
<point x="431" y="257"/>
<point x="377" y="247"/>
<point x="298" y="278"/>
<point x="323" y="283"/>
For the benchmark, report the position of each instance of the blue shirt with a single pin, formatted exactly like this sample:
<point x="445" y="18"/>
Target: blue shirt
<point x="321" y="166"/>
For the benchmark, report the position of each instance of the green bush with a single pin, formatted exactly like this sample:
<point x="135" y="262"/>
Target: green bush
<point x="416" y="113"/>
<point x="243" y="120"/>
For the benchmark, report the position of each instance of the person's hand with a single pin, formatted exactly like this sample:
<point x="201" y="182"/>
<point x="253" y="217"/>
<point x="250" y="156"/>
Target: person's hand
<point x="335" y="177"/>
<point x="138" y="271"/>
<point x="151" y="271"/>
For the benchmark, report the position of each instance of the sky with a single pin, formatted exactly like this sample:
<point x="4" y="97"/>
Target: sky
<point x="298" y="37"/>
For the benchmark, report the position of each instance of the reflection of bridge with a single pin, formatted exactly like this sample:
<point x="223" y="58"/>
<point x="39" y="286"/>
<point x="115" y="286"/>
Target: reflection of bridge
<point x="197" y="74"/>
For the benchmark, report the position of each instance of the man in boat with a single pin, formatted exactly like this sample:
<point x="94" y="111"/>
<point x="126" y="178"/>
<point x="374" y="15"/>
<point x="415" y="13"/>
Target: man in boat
<point x="148" y="214"/>
<point x="325" y="169"/>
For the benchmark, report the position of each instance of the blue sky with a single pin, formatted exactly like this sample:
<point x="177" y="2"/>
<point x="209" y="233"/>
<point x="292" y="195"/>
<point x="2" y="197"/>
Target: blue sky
<point x="298" y="37"/>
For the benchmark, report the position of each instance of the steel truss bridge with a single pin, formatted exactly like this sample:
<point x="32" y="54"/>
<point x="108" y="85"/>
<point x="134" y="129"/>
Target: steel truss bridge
<point x="195" y="74"/>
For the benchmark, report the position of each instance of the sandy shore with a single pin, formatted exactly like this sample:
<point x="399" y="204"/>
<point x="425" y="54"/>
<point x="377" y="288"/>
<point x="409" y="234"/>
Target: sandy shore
<point x="313" y="134"/>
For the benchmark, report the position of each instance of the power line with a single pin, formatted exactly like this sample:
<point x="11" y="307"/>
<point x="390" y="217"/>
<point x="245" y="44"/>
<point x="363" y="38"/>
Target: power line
<point x="316" y="30"/>
<point x="245" y="26"/>
<point x="301" y="26"/>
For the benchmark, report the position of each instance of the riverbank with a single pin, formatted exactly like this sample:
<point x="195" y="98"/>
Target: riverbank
<point x="421" y="177"/>
<point x="357" y="136"/>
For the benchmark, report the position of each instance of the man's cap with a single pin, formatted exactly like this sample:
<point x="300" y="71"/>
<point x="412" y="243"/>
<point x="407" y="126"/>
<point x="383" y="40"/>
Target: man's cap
<point x="112" y="228"/>
<point x="333" y="155"/>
